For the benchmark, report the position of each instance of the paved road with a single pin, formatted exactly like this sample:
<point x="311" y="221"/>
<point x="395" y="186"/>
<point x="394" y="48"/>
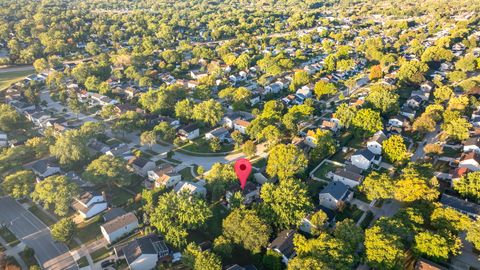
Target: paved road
<point x="35" y="234"/>
<point x="430" y="138"/>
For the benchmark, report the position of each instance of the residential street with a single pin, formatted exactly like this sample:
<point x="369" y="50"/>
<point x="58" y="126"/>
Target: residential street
<point x="33" y="233"/>
<point x="430" y="137"/>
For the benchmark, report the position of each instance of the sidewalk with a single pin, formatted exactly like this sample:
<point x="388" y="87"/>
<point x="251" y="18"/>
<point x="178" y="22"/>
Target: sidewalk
<point x="14" y="252"/>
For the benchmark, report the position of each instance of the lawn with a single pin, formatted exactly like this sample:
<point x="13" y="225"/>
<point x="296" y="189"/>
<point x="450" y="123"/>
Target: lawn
<point x="100" y="254"/>
<point x="89" y="230"/>
<point x="8" y="236"/>
<point x="119" y="196"/>
<point x="213" y="228"/>
<point x="41" y="215"/>
<point x="82" y="262"/>
<point x="351" y="212"/>
<point x="326" y="167"/>
<point x="186" y="174"/>
<point x="9" y="77"/>
<point x="260" y="163"/>
<point x="341" y="156"/>
<point x="451" y="152"/>
<point x="314" y="187"/>
<point x="203" y="146"/>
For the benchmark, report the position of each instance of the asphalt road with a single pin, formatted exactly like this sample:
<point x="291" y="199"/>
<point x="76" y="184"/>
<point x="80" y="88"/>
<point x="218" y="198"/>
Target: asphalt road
<point x="35" y="234"/>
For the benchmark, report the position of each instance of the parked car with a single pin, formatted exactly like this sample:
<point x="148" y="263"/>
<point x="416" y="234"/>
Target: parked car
<point x="107" y="263"/>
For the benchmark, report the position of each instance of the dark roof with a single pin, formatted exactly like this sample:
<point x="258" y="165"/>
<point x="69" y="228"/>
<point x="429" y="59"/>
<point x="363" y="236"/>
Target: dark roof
<point x="219" y="131"/>
<point x="417" y="99"/>
<point x="459" y="204"/>
<point x="235" y="267"/>
<point x="471" y="141"/>
<point x="138" y="161"/>
<point x="41" y="166"/>
<point x="88" y="195"/>
<point x="336" y="189"/>
<point x="150" y="244"/>
<point x="399" y="117"/>
<point x="284" y="243"/>
<point x="365" y="153"/>
<point x="349" y="175"/>
<point x="113" y="213"/>
<point x="189" y="128"/>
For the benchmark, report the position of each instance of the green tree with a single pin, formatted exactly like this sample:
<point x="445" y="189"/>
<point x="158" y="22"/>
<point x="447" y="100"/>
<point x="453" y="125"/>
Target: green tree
<point x="375" y="72"/>
<point x="306" y="263"/>
<point x="219" y="178"/>
<point x="209" y="112"/>
<point x="300" y="78"/>
<point x="457" y="129"/>
<point x="469" y="185"/>
<point x="473" y="234"/>
<point x="383" y="99"/>
<point x="10" y="119"/>
<point x="287" y="203"/>
<point x="249" y="148"/>
<point x="414" y="185"/>
<point x="318" y="221"/>
<point x="148" y="138"/>
<point x="19" y="184"/>
<point x="366" y="122"/>
<point x="70" y="148"/>
<point x="184" y="109"/>
<point x="107" y="170"/>
<point x="449" y="219"/>
<point x="246" y="229"/>
<point x="323" y="88"/>
<point x="412" y="72"/>
<point x="436" y="246"/>
<point x="351" y="235"/>
<point x="285" y="161"/>
<point x="167" y="132"/>
<point x="40" y="65"/>
<point x="345" y="114"/>
<point x="423" y="124"/>
<point x="325" y="144"/>
<point x="271" y="134"/>
<point x="394" y="148"/>
<point x="223" y="247"/>
<point x="177" y="213"/>
<point x="40" y="146"/>
<point x="272" y="260"/>
<point x="443" y="93"/>
<point x="383" y="250"/>
<point x="237" y="137"/>
<point x="215" y="144"/>
<point x="196" y="259"/>
<point x="378" y="186"/>
<point x="64" y="230"/>
<point x="466" y="63"/>
<point x="437" y="54"/>
<point x="55" y="192"/>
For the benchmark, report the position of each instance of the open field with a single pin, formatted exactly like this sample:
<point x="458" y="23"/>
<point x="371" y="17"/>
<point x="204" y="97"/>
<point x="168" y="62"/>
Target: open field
<point x="12" y="75"/>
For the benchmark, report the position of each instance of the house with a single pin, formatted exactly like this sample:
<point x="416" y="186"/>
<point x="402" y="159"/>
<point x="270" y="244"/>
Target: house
<point x="189" y="132"/>
<point x="44" y="167"/>
<point x="472" y="144"/>
<point x="398" y="121"/>
<point x="144" y="253"/>
<point x="330" y="125"/>
<point x="423" y="264"/>
<point x="3" y="139"/>
<point x="463" y="206"/>
<point x="221" y="133"/>
<point x="470" y="160"/>
<point x="334" y="195"/>
<point x="427" y="86"/>
<point x="250" y="193"/>
<point x="164" y="168"/>
<point x="98" y="147"/>
<point x="362" y="159"/>
<point x="446" y="66"/>
<point x="119" y="227"/>
<point x="306" y="91"/>
<point x="407" y="112"/>
<point x="168" y="180"/>
<point x="241" y="125"/>
<point x="113" y="213"/>
<point x="414" y="101"/>
<point x="307" y="226"/>
<point x="230" y="117"/>
<point x="458" y="173"/>
<point x="141" y="165"/>
<point x="310" y="139"/>
<point x="283" y="245"/>
<point x="192" y="188"/>
<point x="119" y="151"/>
<point x="374" y="144"/>
<point x="90" y="203"/>
<point x="349" y="176"/>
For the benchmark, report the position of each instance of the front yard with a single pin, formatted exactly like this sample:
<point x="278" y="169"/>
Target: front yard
<point x="203" y="146"/>
<point x="41" y="215"/>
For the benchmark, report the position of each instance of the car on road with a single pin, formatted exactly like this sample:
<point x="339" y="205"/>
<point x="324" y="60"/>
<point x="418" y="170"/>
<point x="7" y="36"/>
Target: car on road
<point x="107" y="263"/>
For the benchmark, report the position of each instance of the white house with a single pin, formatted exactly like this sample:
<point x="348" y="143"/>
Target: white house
<point x="189" y="132"/>
<point x="144" y="253"/>
<point x="398" y="121"/>
<point x="221" y="133"/>
<point x="427" y="86"/>
<point x="168" y="180"/>
<point x="241" y="125"/>
<point x="470" y="161"/>
<point x="192" y="188"/>
<point x="90" y="204"/>
<point x="250" y="193"/>
<point x="119" y="227"/>
<point x="374" y="144"/>
<point x="306" y="224"/>
<point x="414" y="102"/>
<point x="349" y="177"/>
<point x="472" y="144"/>
<point x="362" y="159"/>
<point x="283" y="245"/>
<point x="334" y="194"/>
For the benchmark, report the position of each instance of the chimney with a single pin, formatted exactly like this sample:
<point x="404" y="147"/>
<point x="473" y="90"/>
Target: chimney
<point x="104" y="195"/>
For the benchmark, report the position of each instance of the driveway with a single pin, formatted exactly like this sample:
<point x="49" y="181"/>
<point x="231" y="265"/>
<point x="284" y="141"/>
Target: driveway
<point x="430" y="138"/>
<point x="35" y="234"/>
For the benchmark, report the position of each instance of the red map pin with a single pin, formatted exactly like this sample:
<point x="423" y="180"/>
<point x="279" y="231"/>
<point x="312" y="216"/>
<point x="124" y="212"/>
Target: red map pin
<point x="242" y="169"/>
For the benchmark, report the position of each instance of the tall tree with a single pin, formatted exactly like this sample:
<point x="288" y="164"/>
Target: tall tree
<point x="70" y="148"/>
<point x="55" y="192"/>
<point x="285" y="161"/>
<point x="209" y="112"/>
<point x="107" y="170"/>
<point x="19" y="184"/>
<point x="366" y="122"/>
<point x="64" y="230"/>
<point x="394" y="148"/>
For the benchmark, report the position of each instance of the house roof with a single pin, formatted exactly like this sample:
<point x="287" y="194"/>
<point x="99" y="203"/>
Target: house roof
<point x="219" y="132"/>
<point x="187" y="186"/>
<point x="113" y="213"/>
<point x="138" y="161"/>
<point x="459" y="172"/>
<point x="365" y="153"/>
<point x="470" y="155"/>
<point x="471" y="141"/>
<point x="189" y="128"/>
<point x="424" y="264"/>
<point x="150" y="244"/>
<point x="336" y="189"/>
<point x="284" y="243"/>
<point x="41" y="166"/>
<point x="164" y="168"/>
<point x="349" y="175"/>
<point x="460" y="204"/>
<point x="119" y="222"/>
<point x="379" y="137"/>
<point x="241" y="122"/>
<point x="88" y="195"/>
<point x="328" y="124"/>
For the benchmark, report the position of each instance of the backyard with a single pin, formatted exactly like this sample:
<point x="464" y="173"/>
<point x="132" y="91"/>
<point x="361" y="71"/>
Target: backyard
<point x="323" y="170"/>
